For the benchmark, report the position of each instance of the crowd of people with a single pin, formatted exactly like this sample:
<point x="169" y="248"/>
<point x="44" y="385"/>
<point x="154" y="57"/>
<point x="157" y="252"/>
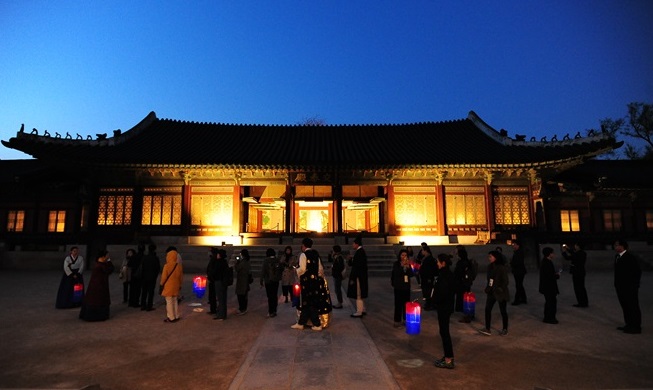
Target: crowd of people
<point x="442" y="289"/>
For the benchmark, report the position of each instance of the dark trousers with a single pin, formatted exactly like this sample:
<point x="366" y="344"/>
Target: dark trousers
<point x="443" y="322"/>
<point x="520" y="293"/>
<point x="135" y="292"/>
<point x="629" y="301"/>
<point x="337" y="286"/>
<point x="460" y="294"/>
<point x="579" y="288"/>
<point x="489" y="304"/>
<point x="401" y="298"/>
<point x="125" y="291"/>
<point x="242" y="302"/>
<point x="272" y="291"/>
<point x="147" y="294"/>
<point x="550" y="306"/>
<point x="427" y="289"/>
<point x="286" y="290"/>
<point x="221" y="295"/>
<point x="213" y="300"/>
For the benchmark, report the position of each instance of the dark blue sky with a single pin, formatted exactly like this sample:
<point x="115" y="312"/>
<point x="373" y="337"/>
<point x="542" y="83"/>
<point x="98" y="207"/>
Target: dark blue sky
<point x="531" y="67"/>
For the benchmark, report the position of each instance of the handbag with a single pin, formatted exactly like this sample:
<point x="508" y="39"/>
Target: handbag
<point x="166" y="281"/>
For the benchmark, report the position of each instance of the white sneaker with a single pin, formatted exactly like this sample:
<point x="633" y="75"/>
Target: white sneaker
<point x="317" y="328"/>
<point x="298" y="326"/>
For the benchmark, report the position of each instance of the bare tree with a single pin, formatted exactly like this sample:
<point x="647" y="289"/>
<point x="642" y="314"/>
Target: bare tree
<point x="640" y="125"/>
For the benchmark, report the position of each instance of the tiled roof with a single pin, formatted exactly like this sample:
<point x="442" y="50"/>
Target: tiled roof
<point x="171" y="142"/>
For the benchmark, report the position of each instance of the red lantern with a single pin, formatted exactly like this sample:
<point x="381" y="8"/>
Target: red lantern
<point x="78" y="292"/>
<point x="199" y="286"/>
<point x="296" y="293"/>
<point x="413" y="317"/>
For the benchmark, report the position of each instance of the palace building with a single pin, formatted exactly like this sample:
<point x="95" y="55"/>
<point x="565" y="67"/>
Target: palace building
<point x="212" y="183"/>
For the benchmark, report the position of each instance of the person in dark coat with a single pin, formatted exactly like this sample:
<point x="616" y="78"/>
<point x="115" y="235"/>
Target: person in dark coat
<point x="518" y="267"/>
<point x="462" y="277"/>
<point x="211" y="276"/>
<point x="271" y="272"/>
<point x="337" y="273"/>
<point x="497" y="292"/>
<point x="243" y="279"/>
<point x="73" y="269"/>
<point x="428" y="272"/>
<point x="627" y="277"/>
<point x="578" y="257"/>
<point x="136" y="276"/>
<point x="400" y="281"/>
<point x="151" y="266"/>
<point x="358" y="283"/>
<point x="443" y="299"/>
<point x="549" y="286"/>
<point x="96" y="303"/>
<point x="221" y="284"/>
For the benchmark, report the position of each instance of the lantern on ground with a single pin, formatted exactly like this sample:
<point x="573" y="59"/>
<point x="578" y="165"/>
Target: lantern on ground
<point x="199" y="286"/>
<point x="78" y="292"/>
<point x="413" y="317"/>
<point x="296" y="293"/>
<point x="469" y="304"/>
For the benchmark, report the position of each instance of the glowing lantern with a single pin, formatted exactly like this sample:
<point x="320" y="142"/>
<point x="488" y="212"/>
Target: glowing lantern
<point x="469" y="304"/>
<point x="78" y="292"/>
<point x="296" y="293"/>
<point x="199" y="286"/>
<point x="413" y="317"/>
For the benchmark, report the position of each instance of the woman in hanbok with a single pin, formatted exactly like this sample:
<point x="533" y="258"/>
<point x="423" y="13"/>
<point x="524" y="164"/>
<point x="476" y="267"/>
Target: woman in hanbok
<point x="73" y="268"/>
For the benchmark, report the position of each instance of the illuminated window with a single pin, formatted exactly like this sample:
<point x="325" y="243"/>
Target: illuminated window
<point x="511" y="210"/>
<point x="415" y="210"/>
<point x="649" y="219"/>
<point x="465" y="209"/>
<point x="161" y="210"/>
<point x="114" y="209"/>
<point x="569" y="221"/>
<point x="212" y="210"/>
<point x="612" y="220"/>
<point x="15" y="220"/>
<point x="57" y="221"/>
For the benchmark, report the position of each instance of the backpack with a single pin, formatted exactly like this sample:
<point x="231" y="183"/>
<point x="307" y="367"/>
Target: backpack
<point x="275" y="271"/>
<point x="229" y="276"/>
<point x="473" y="269"/>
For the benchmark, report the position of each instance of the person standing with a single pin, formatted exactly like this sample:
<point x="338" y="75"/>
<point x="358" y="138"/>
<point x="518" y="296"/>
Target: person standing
<point x="310" y="268"/>
<point x="172" y="278"/>
<point x="463" y="279"/>
<point x="289" y="276"/>
<point x="627" y="278"/>
<point x="497" y="292"/>
<point x="337" y="272"/>
<point x="549" y="286"/>
<point x="136" y="276"/>
<point x="73" y="269"/>
<point x="243" y="280"/>
<point x="443" y="297"/>
<point x="400" y="281"/>
<point x="96" y="303"/>
<point x="126" y="274"/>
<point x="211" y="276"/>
<point x="270" y="276"/>
<point x="518" y="266"/>
<point x="358" y="281"/>
<point x="428" y="272"/>
<point x="151" y="268"/>
<point x="578" y="258"/>
<point x="221" y="284"/>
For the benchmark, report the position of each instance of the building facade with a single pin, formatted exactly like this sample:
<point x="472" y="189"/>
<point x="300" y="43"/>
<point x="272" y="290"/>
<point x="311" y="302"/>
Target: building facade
<point x="209" y="183"/>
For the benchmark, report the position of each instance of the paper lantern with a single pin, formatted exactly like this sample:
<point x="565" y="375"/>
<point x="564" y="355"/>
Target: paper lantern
<point x="413" y="317"/>
<point x="469" y="304"/>
<point x="78" y="292"/>
<point x="296" y="293"/>
<point x="199" y="286"/>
